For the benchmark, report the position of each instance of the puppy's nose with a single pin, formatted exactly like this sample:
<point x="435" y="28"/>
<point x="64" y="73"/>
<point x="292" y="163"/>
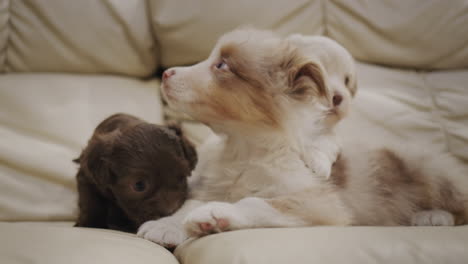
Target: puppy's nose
<point x="168" y="73"/>
<point x="337" y="99"/>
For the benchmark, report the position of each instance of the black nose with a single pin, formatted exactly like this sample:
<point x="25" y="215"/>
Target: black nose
<point x="337" y="99"/>
<point x="168" y="73"/>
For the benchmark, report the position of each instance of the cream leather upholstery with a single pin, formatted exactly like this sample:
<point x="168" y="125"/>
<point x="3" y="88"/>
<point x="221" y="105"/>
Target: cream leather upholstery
<point x="46" y="119"/>
<point x="66" y="65"/>
<point x="186" y="33"/>
<point x="4" y="32"/>
<point x="395" y="33"/>
<point x="363" y="245"/>
<point x="83" y="36"/>
<point x="59" y="243"/>
<point x="412" y="34"/>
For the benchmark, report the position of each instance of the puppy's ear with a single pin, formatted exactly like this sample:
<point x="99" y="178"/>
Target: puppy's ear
<point x="306" y="81"/>
<point x="188" y="148"/>
<point x="96" y="158"/>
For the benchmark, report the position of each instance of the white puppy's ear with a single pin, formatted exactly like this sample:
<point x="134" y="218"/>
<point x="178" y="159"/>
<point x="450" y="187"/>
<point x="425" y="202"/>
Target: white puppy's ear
<point x="306" y="81"/>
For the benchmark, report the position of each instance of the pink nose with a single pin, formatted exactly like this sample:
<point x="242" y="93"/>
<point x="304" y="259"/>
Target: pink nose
<point x="168" y="73"/>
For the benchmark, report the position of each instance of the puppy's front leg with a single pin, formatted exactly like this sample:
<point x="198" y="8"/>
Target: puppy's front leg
<point x="321" y="154"/>
<point x="313" y="206"/>
<point x="251" y="212"/>
<point x="168" y="231"/>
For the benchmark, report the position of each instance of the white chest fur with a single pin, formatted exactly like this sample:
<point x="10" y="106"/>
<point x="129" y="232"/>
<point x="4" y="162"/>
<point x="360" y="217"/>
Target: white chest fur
<point x="269" y="174"/>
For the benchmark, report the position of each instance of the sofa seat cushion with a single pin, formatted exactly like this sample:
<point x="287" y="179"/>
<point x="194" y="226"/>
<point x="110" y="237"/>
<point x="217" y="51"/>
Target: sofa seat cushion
<point x="45" y="121"/>
<point x="330" y="245"/>
<point x="50" y="243"/>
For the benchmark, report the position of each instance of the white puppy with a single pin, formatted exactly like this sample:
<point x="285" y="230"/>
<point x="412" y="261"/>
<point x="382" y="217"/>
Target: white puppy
<point x="274" y="103"/>
<point x="269" y="99"/>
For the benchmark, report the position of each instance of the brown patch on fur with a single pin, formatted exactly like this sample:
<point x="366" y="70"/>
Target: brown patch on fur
<point x="339" y="175"/>
<point x="394" y="173"/>
<point x="244" y="104"/>
<point x="240" y="93"/>
<point x="451" y="200"/>
<point x="306" y="79"/>
<point x="306" y="82"/>
<point x="402" y="191"/>
<point x="244" y="67"/>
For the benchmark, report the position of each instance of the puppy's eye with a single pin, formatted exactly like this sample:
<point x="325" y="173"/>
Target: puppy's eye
<point x="346" y="80"/>
<point x="139" y="186"/>
<point x="222" y="65"/>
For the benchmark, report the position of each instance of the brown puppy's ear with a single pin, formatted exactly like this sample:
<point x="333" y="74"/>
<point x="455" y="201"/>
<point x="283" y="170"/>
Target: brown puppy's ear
<point x="96" y="158"/>
<point x="306" y="81"/>
<point x="188" y="148"/>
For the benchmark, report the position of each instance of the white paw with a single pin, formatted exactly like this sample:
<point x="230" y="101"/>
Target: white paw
<point x="214" y="217"/>
<point x="322" y="170"/>
<point x="320" y="165"/>
<point x="167" y="232"/>
<point x="433" y="218"/>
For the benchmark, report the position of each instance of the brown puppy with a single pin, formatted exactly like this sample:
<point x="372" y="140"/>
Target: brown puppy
<point x="131" y="172"/>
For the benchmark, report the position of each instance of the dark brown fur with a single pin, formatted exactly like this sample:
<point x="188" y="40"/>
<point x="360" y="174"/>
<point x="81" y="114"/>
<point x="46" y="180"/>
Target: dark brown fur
<point x="124" y="154"/>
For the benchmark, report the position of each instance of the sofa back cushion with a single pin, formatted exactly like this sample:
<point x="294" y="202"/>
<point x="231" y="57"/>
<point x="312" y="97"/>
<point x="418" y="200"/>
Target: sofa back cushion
<point x="4" y="15"/>
<point x="429" y="34"/>
<point x="187" y="30"/>
<point x="84" y="36"/>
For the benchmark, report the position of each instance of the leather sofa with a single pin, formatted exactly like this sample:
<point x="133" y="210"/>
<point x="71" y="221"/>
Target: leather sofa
<point x="66" y="65"/>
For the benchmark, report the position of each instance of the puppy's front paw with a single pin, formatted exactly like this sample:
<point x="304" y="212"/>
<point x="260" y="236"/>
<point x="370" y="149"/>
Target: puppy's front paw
<point x="167" y="232"/>
<point x="433" y="218"/>
<point x="321" y="169"/>
<point x="214" y="217"/>
<point x="320" y="163"/>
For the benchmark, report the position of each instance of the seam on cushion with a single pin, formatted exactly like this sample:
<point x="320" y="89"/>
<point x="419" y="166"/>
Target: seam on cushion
<point x="57" y="34"/>
<point x="435" y="114"/>
<point x="156" y="42"/>
<point x="128" y="35"/>
<point x="324" y="17"/>
<point x="8" y="34"/>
